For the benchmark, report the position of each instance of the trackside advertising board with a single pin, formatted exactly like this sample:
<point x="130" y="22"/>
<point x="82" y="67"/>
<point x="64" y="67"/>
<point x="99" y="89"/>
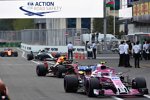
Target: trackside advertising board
<point x="51" y="9"/>
<point x="62" y="49"/>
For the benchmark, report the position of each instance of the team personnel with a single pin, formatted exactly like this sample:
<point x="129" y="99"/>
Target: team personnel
<point x="136" y="52"/>
<point x="145" y="50"/>
<point x="127" y="56"/>
<point x="121" y="54"/>
<point x="70" y="50"/>
<point x="148" y="50"/>
<point x="94" y="50"/>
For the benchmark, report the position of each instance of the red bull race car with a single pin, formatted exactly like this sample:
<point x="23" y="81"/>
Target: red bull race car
<point x="8" y="53"/>
<point x="100" y="80"/>
<point x="58" y="67"/>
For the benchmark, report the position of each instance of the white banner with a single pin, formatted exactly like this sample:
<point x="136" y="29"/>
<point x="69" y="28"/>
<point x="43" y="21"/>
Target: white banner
<point x="125" y="13"/>
<point x="62" y="49"/>
<point x="51" y="9"/>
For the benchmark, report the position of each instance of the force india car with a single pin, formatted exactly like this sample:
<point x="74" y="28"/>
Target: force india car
<point x="101" y="80"/>
<point x="42" y="54"/>
<point x="57" y="70"/>
<point x="8" y="53"/>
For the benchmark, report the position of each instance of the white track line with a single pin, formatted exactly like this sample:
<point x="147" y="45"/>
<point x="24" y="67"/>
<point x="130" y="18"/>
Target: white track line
<point x="147" y="96"/>
<point x="23" y="53"/>
<point x="116" y="98"/>
<point x="35" y="62"/>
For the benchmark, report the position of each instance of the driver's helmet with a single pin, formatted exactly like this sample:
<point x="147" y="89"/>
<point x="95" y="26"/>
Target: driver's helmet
<point x="98" y="65"/>
<point x="81" y="72"/>
<point x="63" y="57"/>
<point x="42" y="50"/>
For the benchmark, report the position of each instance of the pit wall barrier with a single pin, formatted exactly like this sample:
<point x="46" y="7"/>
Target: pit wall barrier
<point x="79" y="52"/>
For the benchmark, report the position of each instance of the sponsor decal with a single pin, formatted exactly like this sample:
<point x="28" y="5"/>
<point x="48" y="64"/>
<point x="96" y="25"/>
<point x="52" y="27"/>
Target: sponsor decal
<point x="40" y="8"/>
<point x="78" y="49"/>
<point x="28" y="48"/>
<point x="115" y="78"/>
<point x="54" y="49"/>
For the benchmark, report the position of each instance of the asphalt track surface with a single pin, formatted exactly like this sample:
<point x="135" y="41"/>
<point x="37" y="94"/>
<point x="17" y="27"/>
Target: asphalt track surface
<point x="20" y="77"/>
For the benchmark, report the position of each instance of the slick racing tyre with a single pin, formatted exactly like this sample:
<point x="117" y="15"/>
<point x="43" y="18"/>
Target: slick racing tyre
<point x="140" y="84"/>
<point x="60" y="71"/>
<point x="30" y="56"/>
<point x="92" y="84"/>
<point x="2" y="54"/>
<point x="15" y="54"/>
<point x="70" y="83"/>
<point x="41" y="70"/>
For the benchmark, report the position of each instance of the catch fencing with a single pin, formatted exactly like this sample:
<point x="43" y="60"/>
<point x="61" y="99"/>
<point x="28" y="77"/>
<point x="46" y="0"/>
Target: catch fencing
<point x="51" y="37"/>
<point x="10" y="36"/>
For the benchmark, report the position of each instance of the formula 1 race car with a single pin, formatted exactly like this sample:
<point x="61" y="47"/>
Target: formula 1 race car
<point x="42" y="55"/>
<point x="8" y="53"/>
<point x="55" y="67"/>
<point x="101" y="80"/>
<point x="3" y="91"/>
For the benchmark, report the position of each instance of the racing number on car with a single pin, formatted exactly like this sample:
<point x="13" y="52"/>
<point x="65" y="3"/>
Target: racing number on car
<point x="117" y="82"/>
<point x="54" y="49"/>
<point x="119" y="85"/>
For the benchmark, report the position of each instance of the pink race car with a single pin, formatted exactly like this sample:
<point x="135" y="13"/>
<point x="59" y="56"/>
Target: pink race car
<point x="104" y="81"/>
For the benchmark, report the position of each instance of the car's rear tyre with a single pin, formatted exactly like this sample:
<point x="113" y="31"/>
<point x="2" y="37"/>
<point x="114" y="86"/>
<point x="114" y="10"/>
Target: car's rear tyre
<point x="92" y="84"/>
<point x="71" y="83"/>
<point x="140" y="84"/>
<point x="41" y="70"/>
<point x="30" y="56"/>
<point x="60" y="71"/>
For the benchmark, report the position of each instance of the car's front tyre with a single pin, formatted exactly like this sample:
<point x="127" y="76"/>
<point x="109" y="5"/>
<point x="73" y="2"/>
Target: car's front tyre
<point x="91" y="84"/>
<point x="61" y="69"/>
<point x="41" y="70"/>
<point x="140" y="84"/>
<point x="71" y="83"/>
<point x="30" y="56"/>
